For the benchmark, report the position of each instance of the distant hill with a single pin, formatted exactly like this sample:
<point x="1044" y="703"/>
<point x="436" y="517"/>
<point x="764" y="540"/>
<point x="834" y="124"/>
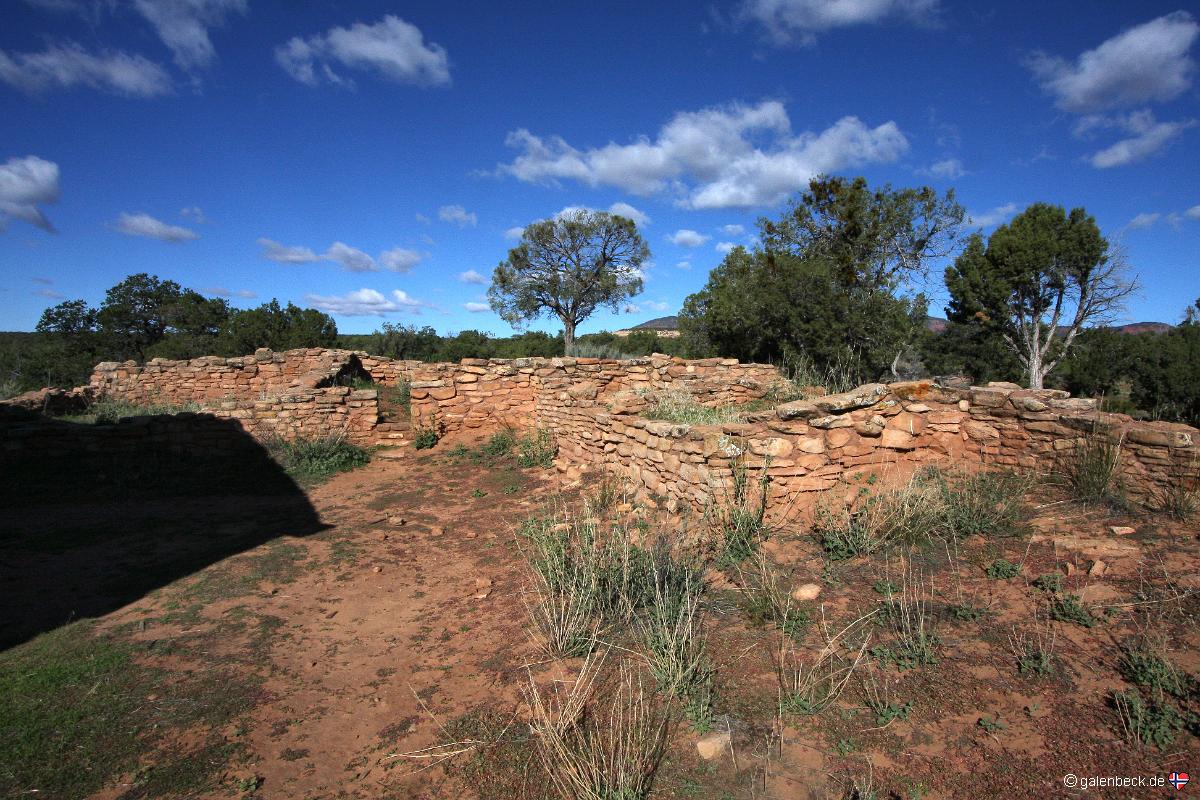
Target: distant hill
<point x="937" y="325"/>
<point x="659" y="324"/>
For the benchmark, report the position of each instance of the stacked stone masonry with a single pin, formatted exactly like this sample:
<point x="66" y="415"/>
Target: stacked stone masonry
<point x="593" y="407"/>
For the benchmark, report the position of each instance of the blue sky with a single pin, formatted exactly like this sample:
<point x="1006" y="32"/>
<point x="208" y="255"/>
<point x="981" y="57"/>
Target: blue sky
<point x="375" y="160"/>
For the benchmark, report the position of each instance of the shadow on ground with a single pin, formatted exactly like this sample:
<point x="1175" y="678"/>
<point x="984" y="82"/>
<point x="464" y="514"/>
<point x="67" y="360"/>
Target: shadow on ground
<point x="93" y="517"/>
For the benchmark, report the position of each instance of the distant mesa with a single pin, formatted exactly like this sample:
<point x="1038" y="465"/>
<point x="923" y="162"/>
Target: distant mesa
<point x="666" y="327"/>
<point x="939" y="325"/>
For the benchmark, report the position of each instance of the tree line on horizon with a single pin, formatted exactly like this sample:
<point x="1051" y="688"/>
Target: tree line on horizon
<point x="832" y="287"/>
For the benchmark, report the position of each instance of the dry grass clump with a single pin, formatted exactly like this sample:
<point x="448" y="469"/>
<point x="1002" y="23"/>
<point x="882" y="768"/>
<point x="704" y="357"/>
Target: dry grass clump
<point x="810" y="684"/>
<point x="602" y="735"/>
<point x="934" y="503"/>
<point x="740" y="520"/>
<point x="1091" y="472"/>
<point x="1032" y="646"/>
<point x="679" y="405"/>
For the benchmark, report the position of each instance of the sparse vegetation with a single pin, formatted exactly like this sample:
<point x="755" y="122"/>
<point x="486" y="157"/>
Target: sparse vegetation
<point x="426" y="434"/>
<point x="1002" y="569"/>
<point x="601" y="736"/>
<point x="1091" y="472"/>
<point x="679" y="405"/>
<point x="311" y="460"/>
<point x="1069" y="608"/>
<point x="1146" y="721"/>
<point x="934" y="503"/>
<point x="809" y="685"/>
<point x="107" y="411"/>
<point x="1032" y="646"/>
<point x="537" y="449"/>
<point x="739" y="521"/>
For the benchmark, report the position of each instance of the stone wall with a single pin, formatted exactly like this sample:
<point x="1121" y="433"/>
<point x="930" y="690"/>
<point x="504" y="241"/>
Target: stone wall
<point x="811" y="446"/>
<point x="593" y="407"/>
<point x="269" y="394"/>
<point x="480" y="393"/>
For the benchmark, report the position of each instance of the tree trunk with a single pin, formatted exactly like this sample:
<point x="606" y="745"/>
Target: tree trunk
<point x="1036" y="373"/>
<point x="568" y="337"/>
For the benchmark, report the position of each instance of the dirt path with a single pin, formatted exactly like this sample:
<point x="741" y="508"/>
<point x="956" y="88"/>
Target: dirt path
<point x="407" y="605"/>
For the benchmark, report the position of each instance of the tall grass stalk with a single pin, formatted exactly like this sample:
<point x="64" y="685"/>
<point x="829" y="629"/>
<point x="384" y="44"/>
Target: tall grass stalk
<point x="600" y="739"/>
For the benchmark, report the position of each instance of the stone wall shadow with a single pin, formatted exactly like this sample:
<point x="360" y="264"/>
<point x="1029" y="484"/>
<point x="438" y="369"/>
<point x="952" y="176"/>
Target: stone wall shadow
<point x="93" y="517"/>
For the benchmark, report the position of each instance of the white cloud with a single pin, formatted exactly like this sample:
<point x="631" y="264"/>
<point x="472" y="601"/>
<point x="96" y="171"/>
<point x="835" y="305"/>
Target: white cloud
<point x="629" y="212"/>
<point x="685" y="237"/>
<point x="1143" y="220"/>
<point x="1193" y="212"/>
<point x="49" y="294"/>
<point x="514" y="233"/>
<point x="476" y="308"/>
<point x="421" y="218"/>
<point x="245" y="294"/>
<point x="724" y="247"/>
<point x="993" y="217"/>
<point x="26" y="183"/>
<point x="151" y="228"/>
<point x="458" y="215"/>
<point x="730" y="156"/>
<point x="393" y="48"/>
<point x="194" y="214"/>
<point x="471" y="276"/>
<point x="732" y="230"/>
<point x="399" y="259"/>
<point x="365" y="302"/>
<point x="655" y="305"/>
<point x="1146" y="63"/>
<point x="64" y="66"/>
<point x="948" y="169"/>
<point x="801" y="20"/>
<point x="183" y="26"/>
<point x="285" y="254"/>
<point x="1148" y="137"/>
<point x="351" y="258"/>
<point x="685" y="264"/>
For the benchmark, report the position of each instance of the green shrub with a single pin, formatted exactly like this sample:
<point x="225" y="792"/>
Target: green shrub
<point x="310" y="460"/>
<point x="985" y="503"/>
<point x="1144" y="666"/>
<point x="1051" y="582"/>
<point x="1002" y="569"/>
<point x="1146" y="721"/>
<point x="537" y="449"/>
<point x="500" y="443"/>
<point x="425" y="436"/>
<point x="1068" y="608"/>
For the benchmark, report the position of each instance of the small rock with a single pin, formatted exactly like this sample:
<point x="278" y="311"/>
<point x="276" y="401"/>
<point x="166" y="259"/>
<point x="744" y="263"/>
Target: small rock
<point x="1068" y="569"/>
<point x="383" y="537"/>
<point x="483" y="583"/>
<point x="1121" y="530"/>
<point x="808" y="591"/>
<point x="398" y="521"/>
<point x="1098" y="568"/>
<point x="481" y="595"/>
<point x="377" y="568"/>
<point x="470" y="535"/>
<point x="711" y="746"/>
